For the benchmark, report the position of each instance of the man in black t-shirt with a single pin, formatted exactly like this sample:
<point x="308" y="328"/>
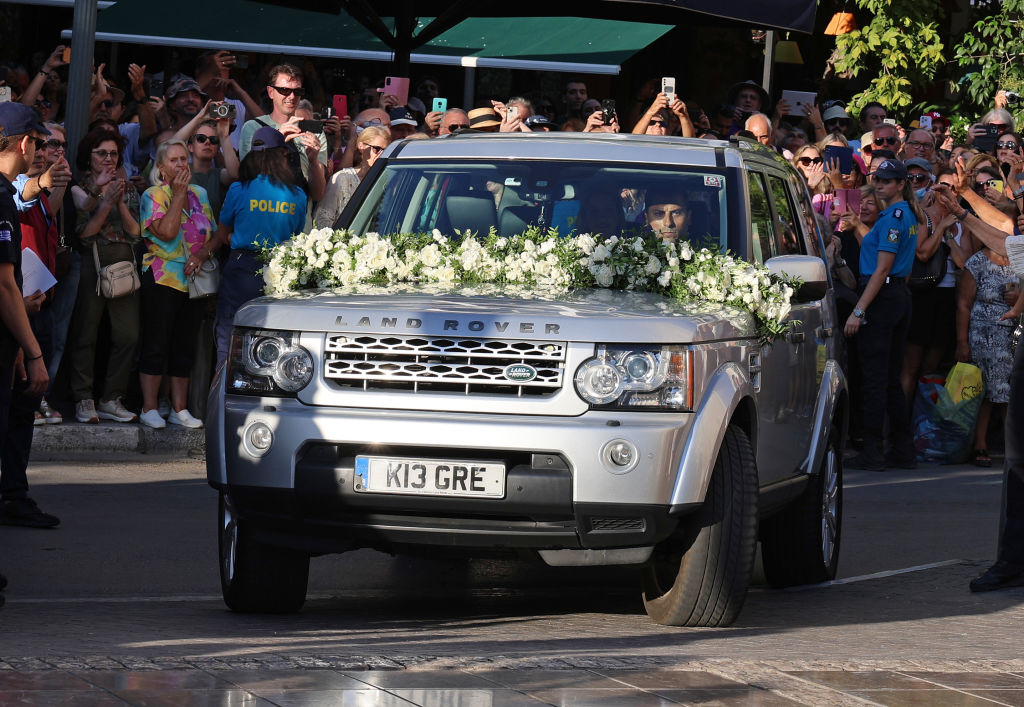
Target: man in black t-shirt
<point x="21" y="360"/>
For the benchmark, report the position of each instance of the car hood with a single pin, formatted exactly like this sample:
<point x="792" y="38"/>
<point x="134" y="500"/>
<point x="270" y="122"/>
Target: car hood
<point x="500" y="311"/>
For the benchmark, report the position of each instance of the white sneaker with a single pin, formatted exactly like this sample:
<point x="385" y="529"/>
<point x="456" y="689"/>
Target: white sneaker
<point x="114" y="410"/>
<point x="184" y="418"/>
<point x="85" y="411"/>
<point x="151" y="418"/>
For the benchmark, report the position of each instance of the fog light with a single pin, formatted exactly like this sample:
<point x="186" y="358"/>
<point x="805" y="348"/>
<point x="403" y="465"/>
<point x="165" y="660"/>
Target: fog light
<point x="259" y="437"/>
<point x="620" y="456"/>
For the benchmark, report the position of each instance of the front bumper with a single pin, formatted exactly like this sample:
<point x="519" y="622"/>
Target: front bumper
<point x="559" y="493"/>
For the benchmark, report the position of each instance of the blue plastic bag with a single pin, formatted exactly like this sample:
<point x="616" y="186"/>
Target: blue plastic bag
<point x="943" y="430"/>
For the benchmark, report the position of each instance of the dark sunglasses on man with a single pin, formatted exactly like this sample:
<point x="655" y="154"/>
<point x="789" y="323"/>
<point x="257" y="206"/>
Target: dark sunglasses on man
<point x="212" y="139"/>
<point x="919" y="178"/>
<point x="886" y="141"/>
<point x="285" y="91"/>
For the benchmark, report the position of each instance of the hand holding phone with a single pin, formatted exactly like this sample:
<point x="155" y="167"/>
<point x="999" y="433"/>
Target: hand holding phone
<point x="311" y="126"/>
<point x="397" y="86"/>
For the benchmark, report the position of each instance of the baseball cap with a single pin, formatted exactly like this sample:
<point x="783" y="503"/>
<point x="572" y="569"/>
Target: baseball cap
<point x="891" y="169"/>
<point x="402" y="116"/>
<point x="537" y="121"/>
<point x="18" y="119"/>
<point x="266" y="138"/>
<point x="919" y="162"/>
<point x="183" y="84"/>
<point x="834" y="113"/>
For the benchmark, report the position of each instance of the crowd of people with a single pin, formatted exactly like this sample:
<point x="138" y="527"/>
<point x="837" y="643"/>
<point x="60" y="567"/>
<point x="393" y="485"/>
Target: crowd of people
<point x="179" y="171"/>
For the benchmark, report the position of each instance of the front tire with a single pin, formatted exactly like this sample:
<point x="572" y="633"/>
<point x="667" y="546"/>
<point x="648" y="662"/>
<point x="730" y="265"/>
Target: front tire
<point x="256" y="577"/>
<point x="800" y="545"/>
<point x="699" y="577"/>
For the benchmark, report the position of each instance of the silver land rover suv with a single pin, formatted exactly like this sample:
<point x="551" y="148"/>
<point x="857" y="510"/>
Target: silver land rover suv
<point x="464" y="421"/>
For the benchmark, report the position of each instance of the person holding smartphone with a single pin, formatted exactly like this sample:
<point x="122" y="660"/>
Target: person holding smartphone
<point x="881" y="317"/>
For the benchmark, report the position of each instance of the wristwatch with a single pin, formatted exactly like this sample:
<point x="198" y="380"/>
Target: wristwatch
<point x="858" y="312"/>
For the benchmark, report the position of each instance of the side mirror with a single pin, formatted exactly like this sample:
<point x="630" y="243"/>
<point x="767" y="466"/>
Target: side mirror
<point x="810" y="269"/>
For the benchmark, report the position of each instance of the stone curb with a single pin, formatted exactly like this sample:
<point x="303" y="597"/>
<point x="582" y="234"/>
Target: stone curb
<point x="50" y="441"/>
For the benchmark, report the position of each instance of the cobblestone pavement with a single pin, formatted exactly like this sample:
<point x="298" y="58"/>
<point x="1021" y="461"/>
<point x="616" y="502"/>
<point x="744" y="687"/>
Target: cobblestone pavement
<point x="74" y="632"/>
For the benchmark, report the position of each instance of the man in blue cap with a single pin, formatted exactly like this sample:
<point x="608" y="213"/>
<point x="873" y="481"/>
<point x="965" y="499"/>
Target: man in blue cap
<point x="22" y="368"/>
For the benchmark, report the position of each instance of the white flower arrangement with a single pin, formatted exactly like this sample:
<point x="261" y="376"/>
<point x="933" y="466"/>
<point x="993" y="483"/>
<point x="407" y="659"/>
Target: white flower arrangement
<point x="325" y="258"/>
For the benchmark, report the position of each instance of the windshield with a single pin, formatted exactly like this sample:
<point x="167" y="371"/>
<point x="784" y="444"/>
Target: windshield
<point x="574" y="197"/>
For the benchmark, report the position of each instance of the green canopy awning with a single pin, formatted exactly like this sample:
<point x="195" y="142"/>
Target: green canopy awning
<point x="568" y="44"/>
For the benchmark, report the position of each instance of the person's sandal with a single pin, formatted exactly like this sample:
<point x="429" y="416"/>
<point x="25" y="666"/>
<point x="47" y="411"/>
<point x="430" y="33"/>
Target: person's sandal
<point x="980" y="457"/>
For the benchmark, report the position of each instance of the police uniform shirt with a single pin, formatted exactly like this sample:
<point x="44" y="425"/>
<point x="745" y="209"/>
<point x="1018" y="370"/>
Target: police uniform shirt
<point x="894" y="232"/>
<point x="263" y="212"/>
<point x="10" y="252"/>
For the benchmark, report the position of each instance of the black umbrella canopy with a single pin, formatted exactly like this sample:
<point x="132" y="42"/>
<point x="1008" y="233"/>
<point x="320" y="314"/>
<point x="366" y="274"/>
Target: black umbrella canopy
<point x="395" y="22"/>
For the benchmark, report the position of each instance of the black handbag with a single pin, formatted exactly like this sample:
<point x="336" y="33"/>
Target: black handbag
<point x="927" y="274"/>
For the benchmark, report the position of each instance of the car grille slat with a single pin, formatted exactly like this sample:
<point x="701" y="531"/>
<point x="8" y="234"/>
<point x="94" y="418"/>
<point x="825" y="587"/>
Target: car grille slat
<point x="425" y="364"/>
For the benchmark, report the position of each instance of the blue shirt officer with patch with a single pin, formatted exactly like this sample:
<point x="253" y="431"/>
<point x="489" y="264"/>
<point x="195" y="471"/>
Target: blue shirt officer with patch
<point x="879" y="323"/>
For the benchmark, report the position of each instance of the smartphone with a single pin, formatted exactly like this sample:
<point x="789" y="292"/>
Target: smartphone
<point x="311" y="126"/>
<point x="925" y="122"/>
<point x="798" y="100"/>
<point x="513" y="112"/>
<point x="843" y="154"/>
<point x="340" y="104"/>
<point x="156" y="88"/>
<point x="397" y="86"/>
<point x="889" y="121"/>
<point x="668" y="87"/>
<point x="440" y="105"/>
<point x="846" y="200"/>
<point x="607" y="111"/>
<point x="996" y="184"/>
<point x="987" y="141"/>
<point x="5" y="94"/>
<point x="66" y="57"/>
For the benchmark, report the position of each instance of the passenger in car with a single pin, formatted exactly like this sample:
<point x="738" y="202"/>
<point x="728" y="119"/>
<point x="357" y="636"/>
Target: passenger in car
<point x="601" y="213"/>
<point x="666" y="213"/>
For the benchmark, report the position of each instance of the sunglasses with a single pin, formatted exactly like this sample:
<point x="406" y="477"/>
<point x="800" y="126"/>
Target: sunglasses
<point x="835" y="122"/>
<point x="980" y="186"/>
<point x="107" y="104"/>
<point x="56" y="145"/>
<point x="374" y="121"/>
<point x="284" y="91"/>
<point x="919" y="178"/>
<point x="39" y="142"/>
<point x="458" y="126"/>
<point x="105" y="154"/>
<point x="659" y="123"/>
<point x="212" y="139"/>
<point x="808" y="161"/>
<point x="886" y="140"/>
<point x="376" y="150"/>
<point x="42" y="102"/>
<point x="1008" y="145"/>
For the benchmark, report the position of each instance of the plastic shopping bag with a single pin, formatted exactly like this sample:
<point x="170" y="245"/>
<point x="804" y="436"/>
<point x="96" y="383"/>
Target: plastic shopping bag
<point x="964" y="382"/>
<point x="943" y="429"/>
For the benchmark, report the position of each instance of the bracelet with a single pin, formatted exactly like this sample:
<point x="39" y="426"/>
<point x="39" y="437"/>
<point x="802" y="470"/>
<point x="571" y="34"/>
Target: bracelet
<point x="34" y="357"/>
<point x="1019" y="192"/>
<point x="963" y="215"/>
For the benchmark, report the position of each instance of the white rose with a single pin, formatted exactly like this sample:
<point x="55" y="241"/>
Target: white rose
<point x="665" y="278"/>
<point x="653" y="265"/>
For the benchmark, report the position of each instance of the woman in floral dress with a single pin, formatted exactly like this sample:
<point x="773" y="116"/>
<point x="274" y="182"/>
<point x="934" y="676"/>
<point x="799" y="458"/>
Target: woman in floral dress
<point x="982" y="337"/>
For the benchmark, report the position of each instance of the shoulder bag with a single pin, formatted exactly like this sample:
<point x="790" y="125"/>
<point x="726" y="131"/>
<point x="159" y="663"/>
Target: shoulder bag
<point x="204" y="281"/>
<point x="927" y="274"/>
<point x="117" y="279"/>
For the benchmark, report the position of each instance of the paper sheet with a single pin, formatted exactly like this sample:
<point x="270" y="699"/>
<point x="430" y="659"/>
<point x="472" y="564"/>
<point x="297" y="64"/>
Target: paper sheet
<point x="35" y="275"/>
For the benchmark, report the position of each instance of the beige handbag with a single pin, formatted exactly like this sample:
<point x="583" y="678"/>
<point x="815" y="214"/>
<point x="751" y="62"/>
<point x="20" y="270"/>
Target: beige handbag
<point x="117" y="279"/>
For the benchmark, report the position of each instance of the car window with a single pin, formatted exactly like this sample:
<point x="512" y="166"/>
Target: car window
<point x="575" y="197"/>
<point x="787" y="234"/>
<point x="760" y="219"/>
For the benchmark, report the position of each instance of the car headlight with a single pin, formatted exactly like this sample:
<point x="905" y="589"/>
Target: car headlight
<point x="267" y="363"/>
<point x="637" y="377"/>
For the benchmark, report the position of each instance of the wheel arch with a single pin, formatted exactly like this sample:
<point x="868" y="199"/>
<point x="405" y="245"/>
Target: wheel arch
<point x="728" y="399"/>
<point x="831" y="407"/>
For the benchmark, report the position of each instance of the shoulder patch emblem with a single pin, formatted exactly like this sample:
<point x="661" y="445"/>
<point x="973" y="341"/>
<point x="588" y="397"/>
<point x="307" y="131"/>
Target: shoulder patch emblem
<point x="894" y="235"/>
<point x="898" y="213"/>
<point x="6" y="231"/>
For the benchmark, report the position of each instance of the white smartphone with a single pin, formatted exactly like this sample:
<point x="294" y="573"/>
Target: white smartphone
<point x="797" y="100"/>
<point x="925" y="122"/>
<point x="5" y="94"/>
<point x="513" y="112"/>
<point x="668" y="87"/>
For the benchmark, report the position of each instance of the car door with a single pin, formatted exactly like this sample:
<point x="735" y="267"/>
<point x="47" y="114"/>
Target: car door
<point x="786" y="397"/>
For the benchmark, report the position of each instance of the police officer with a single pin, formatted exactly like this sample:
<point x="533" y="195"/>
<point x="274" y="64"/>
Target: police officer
<point x="882" y="316"/>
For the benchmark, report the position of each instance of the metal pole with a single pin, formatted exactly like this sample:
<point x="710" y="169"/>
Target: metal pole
<point x="468" y="87"/>
<point x="769" y="64"/>
<point x="83" y="39"/>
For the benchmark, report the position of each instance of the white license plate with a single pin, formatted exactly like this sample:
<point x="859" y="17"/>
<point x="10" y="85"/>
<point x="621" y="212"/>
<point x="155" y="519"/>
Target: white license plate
<point x="430" y="477"/>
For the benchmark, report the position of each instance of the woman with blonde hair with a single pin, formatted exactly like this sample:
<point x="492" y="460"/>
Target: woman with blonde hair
<point x="177" y="222"/>
<point x="370" y="143"/>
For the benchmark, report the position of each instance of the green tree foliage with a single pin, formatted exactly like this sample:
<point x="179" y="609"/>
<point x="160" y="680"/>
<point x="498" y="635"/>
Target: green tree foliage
<point x="993" y="52"/>
<point x="900" y="47"/>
